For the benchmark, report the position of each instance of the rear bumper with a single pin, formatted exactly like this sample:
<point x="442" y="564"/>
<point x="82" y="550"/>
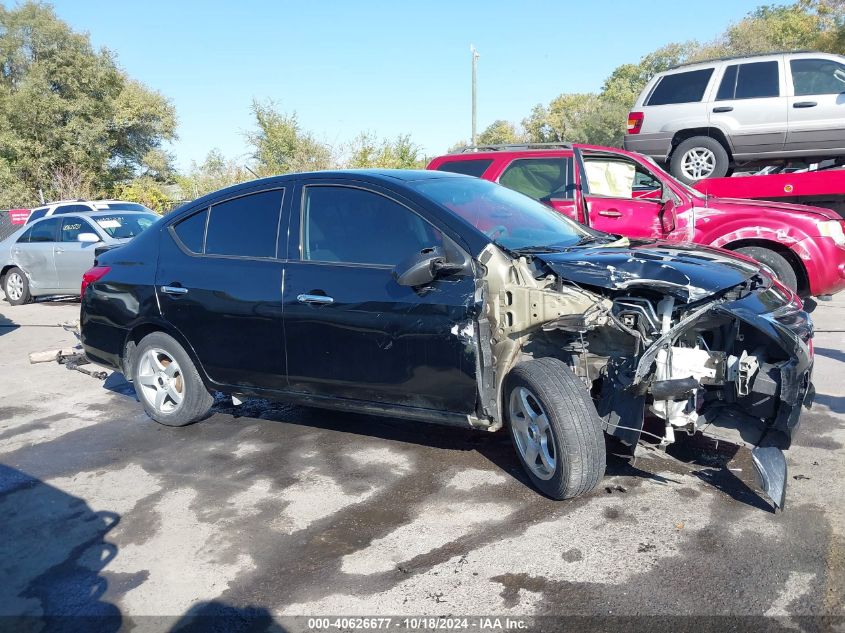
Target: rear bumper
<point x="658" y="146"/>
<point x="824" y="262"/>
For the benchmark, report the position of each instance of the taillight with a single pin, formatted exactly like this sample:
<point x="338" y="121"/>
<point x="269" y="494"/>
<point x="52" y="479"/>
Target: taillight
<point x="635" y="122"/>
<point x="91" y="276"/>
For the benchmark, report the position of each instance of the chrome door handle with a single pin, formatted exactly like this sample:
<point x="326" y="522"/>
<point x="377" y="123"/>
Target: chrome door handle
<point x="610" y="213"/>
<point x="174" y="290"/>
<point x="805" y="104"/>
<point x="318" y="299"/>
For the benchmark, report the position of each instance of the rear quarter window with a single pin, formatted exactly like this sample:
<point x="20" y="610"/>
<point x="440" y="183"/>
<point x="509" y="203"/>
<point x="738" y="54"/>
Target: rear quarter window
<point x="685" y="87"/>
<point x="474" y="167"/>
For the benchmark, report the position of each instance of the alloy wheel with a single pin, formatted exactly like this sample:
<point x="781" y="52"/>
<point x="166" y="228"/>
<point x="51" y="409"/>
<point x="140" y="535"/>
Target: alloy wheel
<point x="14" y="286"/>
<point x="698" y="163"/>
<point x="160" y="378"/>
<point x="532" y="433"/>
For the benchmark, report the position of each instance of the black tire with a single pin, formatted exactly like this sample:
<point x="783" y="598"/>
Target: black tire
<point x="13" y="276"/>
<point x="777" y="262"/>
<point x="195" y="401"/>
<point x="721" y="165"/>
<point x="573" y="423"/>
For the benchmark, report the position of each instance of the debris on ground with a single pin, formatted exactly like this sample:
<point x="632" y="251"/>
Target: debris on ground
<point x="71" y="357"/>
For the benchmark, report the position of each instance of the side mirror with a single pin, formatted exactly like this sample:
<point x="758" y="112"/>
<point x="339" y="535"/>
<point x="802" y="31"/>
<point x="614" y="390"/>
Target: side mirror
<point x="423" y="267"/>
<point x="667" y="212"/>
<point x="88" y="238"/>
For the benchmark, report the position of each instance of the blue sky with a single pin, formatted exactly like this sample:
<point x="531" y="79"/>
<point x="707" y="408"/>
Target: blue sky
<point x="389" y="67"/>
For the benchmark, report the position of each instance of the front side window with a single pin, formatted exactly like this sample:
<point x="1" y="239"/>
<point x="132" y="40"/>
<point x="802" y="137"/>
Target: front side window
<point x="246" y="226"/>
<point x="687" y="87"/>
<point x="619" y="178"/>
<point x="72" y="227"/>
<point x="474" y="167"/>
<point x="44" y="231"/>
<point x="817" y="77"/>
<point x="755" y="80"/>
<point x="355" y="226"/>
<point x="540" y="178"/>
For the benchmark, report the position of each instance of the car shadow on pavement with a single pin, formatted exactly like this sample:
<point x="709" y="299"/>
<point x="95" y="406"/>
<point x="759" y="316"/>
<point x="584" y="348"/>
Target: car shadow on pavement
<point x="7" y="325"/>
<point x="833" y="354"/>
<point x="52" y="551"/>
<point x="219" y="616"/>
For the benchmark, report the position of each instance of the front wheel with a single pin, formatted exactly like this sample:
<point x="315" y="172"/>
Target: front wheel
<point x="167" y="382"/>
<point x="16" y="286"/>
<point x="777" y="262"/>
<point x="555" y="428"/>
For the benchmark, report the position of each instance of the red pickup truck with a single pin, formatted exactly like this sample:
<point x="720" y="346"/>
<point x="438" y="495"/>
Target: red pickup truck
<point x="626" y="193"/>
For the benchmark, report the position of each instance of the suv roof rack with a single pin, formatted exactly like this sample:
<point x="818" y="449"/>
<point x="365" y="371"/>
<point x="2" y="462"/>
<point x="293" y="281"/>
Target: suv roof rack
<point x="497" y="147"/>
<point x="728" y="58"/>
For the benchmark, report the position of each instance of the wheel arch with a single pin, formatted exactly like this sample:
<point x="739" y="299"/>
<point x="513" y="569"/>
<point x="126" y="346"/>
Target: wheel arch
<point x="142" y="329"/>
<point x="711" y="132"/>
<point x="781" y="249"/>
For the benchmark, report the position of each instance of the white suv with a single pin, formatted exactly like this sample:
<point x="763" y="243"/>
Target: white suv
<point x="83" y="206"/>
<point x="705" y="118"/>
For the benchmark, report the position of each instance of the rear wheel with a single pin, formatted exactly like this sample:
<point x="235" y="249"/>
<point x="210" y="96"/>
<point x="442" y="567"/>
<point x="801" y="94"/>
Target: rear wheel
<point x="16" y="286"/>
<point x="555" y="428"/>
<point x="167" y="382"/>
<point x="697" y="158"/>
<point x="777" y="262"/>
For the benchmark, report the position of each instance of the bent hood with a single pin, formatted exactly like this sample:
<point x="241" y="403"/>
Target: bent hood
<point x="686" y="272"/>
<point x="731" y="204"/>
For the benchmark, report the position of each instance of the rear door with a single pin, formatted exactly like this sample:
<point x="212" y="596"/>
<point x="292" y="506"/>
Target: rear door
<point x="750" y="105"/>
<point x="547" y="179"/>
<point x="817" y="105"/>
<point x="33" y="253"/>
<point x="72" y="257"/>
<point x="219" y="283"/>
<point x="351" y="330"/>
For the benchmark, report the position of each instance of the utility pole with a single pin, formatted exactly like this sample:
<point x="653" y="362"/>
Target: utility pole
<point x="475" y="57"/>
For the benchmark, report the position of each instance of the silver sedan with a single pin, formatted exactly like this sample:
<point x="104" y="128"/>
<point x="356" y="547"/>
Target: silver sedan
<point x="50" y="255"/>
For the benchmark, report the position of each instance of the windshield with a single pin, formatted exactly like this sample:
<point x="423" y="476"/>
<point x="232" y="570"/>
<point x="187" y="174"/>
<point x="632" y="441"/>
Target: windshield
<point x="125" y="225"/>
<point x="510" y="219"/>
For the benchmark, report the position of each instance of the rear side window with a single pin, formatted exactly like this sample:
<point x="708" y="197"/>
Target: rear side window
<point x="685" y="87"/>
<point x="817" y="77"/>
<point x="247" y="226"/>
<point x="44" y="231"/>
<point x="756" y="80"/>
<point x="475" y="167"/>
<point x="343" y="224"/>
<point x="540" y="178"/>
<point x="191" y="231"/>
<point x="36" y="214"/>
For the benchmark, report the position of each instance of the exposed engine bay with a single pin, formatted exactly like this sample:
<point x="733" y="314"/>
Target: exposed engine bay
<point x="707" y="344"/>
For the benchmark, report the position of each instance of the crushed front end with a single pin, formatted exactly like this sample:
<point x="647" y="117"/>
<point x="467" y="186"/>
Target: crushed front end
<point x="693" y="339"/>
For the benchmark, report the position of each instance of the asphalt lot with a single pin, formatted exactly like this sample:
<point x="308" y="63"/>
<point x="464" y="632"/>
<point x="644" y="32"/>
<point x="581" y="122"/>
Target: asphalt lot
<point x="280" y="510"/>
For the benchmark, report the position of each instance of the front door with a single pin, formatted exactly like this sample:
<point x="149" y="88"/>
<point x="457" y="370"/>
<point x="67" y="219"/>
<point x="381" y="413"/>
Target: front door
<point x="817" y="107"/>
<point x="219" y="283"/>
<point x="73" y="257"/>
<point x="351" y="331"/>
<point x="620" y="197"/>
<point x="750" y="105"/>
<point x="33" y="253"/>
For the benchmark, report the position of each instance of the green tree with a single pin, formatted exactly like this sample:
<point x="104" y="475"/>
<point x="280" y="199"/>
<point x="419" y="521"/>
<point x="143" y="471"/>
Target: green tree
<point x="281" y="146"/>
<point x="214" y="173"/>
<point x="367" y="150"/>
<point x="577" y="118"/>
<point x="500" y="132"/>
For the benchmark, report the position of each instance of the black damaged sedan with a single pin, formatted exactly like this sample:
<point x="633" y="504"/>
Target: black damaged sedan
<point x="443" y="298"/>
